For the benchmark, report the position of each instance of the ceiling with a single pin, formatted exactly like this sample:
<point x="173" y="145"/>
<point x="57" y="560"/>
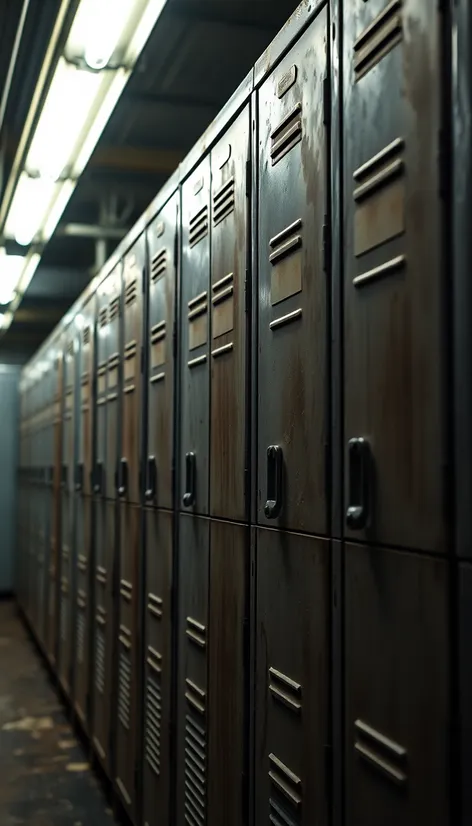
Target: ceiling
<point x="198" y="54"/>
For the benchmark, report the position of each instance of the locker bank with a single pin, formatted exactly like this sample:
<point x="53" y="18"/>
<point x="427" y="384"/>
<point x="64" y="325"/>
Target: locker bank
<point x="245" y="465"/>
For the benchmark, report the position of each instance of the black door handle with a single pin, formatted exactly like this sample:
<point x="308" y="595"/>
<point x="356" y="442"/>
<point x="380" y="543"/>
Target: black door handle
<point x="190" y="479"/>
<point x="275" y="458"/>
<point x="122" y="477"/>
<point x="357" y="513"/>
<point x="98" y="478"/>
<point x="79" y="478"/>
<point x="151" y="474"/>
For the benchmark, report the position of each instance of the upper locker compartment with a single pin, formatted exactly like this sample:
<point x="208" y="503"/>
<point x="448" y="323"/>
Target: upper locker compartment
<point x="67" y="481"/>
<point x="162" y="245"/>
<point x="129" y="461"/>
<point x="229" y="242"/>
<point x="195" y="333"/>
<point x="86" y="329"/>
<point x="292" y="294"/>
<point x="393" y="248"/>
<point x="101" y="343"/>
<point x="112" y="331"/>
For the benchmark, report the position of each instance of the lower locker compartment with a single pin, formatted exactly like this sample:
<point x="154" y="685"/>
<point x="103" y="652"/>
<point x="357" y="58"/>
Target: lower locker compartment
<point x="157" y="667"/>
<point x="83" y="609"/>
<point x="292" y="713"/>
<point x="104" y="630"/>
<point x="66" y="597"/>
<point x="211" y="690"/>
<point x="396" y="688"/>
<point x="128" y="690"/>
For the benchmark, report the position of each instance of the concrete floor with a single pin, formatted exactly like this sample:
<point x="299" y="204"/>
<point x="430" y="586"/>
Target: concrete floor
<point x="45" y="779"/>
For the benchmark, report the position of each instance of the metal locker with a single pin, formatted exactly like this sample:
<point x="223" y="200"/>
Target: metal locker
<point x="126" y="722"/>
<point x="465" y="689"/>
<point x="158" y="662"/>
<point x="195" y="335"/>
<point x="83" y="608"/>
<point x="100" y="473"/>
<point x="393" y="300"/>
<point x="130" y="457"/>
<point x="162" y="241"/>
<point x="83" y="482"/>
<point x="113" y="379"/>
<point x="229" y="260"/>
<point x="55" y="540"/>
<point x="292" y="720"/>
<point x="292" y="293"/>
<point x="192" y="681"/>
<point x="103" y="678"/>
<point x="396" y="688"/>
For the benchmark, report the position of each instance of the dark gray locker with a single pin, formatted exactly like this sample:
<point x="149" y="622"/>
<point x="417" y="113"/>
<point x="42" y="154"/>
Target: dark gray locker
<point x="66" y="595"/>
<point x="126" y="722"/>
<point x="465" y="689"/>
<point x="162" y="244"/>
<point x="292" y="293"/>
<point x="55" y="538"/>
<point x="83" y="610"/>
<point x="397" y="671"/>
<point x="393" y="300"/>
<point x="156" y="771"/>
<point x="85" y="412"/>
<point x="195" y="336"/>
<point x="292" y="721"/>
<point x="113" y="382"/>
<point x="229" y="257"/>
<point x="100" y="475"/>
<point x="103" y="629"/>
<point x="130" y="455"/>
<point x="211" y="679"/>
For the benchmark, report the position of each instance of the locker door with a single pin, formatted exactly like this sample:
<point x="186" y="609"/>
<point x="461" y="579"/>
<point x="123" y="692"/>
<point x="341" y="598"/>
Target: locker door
<point x="104" y="629"/>
<point x="127" y="661"/>
<point x="55" y="541"/>
<point x="393" y="292"/>
<point x="229" y="256"/>
<point x="192" y="687"/>
<point x="465" y="687"/>
<point x="292" y="678"/>
<point x="113" y="380"/>
<point x="129" y="464"/>
<point x="195" y="332"/>
<point x="157" y="667"/>
<point x="292" y="352"/>
<point x="162" y="243"/>
<point x="66" y="593"/>
<point x="101" y="435"/>
<point x="85" y="452"/>
<point x="396" y="692"/>
<point x="83" y="608"/>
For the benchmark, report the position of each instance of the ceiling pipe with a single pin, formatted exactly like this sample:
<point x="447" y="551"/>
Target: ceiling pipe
<point x="12" y="64"/>
<point x="92" y="231"/>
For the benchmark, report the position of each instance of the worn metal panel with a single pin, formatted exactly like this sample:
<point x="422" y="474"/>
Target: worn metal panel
<point x="229" y="281"/>
<point x="158" y="662"/>
<point x="127" y="671"/>
<point x="84" y="481"/>
<point x="291" y="290"/>
<point x="393" y="306"/>
<point x="83" y="609"/>
<point x="162" y="245"/>
<point x="100" y="474"/>
<point x="195" y="338"/>
<point x="396" y="688"/>
<point x="132" y="360"/>
<point x="104" y="630"/>
<point x="113" y="385"/>
<point x="55" y="537"/>
<point x="192" y="680"/>
<point x="292" y="678"/>
<point x="66" y="593"/>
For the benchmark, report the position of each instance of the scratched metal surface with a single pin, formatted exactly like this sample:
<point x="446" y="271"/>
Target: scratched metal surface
<point x="45" y="776"/>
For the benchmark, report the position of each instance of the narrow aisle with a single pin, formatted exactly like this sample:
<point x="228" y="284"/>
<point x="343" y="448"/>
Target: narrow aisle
<point x="45" y="777"/>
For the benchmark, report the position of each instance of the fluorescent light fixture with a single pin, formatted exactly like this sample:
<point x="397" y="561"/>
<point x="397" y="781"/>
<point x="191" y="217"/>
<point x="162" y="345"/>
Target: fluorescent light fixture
<point x="2" y="318"/>
<point x="104" y="42"/>
<point x="11" y="267"/>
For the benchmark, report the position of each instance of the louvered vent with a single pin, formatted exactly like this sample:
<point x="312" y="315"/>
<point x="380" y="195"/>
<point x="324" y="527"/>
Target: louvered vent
<point x="131" y="291"/>
<point x="223" y="202"/>
<point x="152" y="745"/>
<point x="80" y="643"/>
<point x="100" y="660"/>
<point x="114" y="309"/>
<point x="159" y="264"/>
<point x="103" y="317"/>
<point x="70" y="348"/>
<point x="124" y="689"/>
<point x="285" y="802"/>
<point x="287" y="134"/>
<point x="86" y="335"/>
<point x="195" y="771"/>
<point x="198" y="227"/>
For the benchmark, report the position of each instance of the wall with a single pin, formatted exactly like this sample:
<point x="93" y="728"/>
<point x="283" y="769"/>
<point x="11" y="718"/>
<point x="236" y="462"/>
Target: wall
<point x="9" y="420"/>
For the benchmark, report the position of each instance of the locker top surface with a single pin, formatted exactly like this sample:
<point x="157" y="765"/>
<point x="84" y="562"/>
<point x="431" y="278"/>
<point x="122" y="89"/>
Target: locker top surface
<point x="287" y="36"/>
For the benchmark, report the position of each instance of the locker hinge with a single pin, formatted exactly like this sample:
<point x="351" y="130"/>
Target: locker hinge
<point x="326" y="101"/>
<point x="143" y="280"/>
<point x="176" y="250"/>
<point x="174" y="340"/>
<point x="248" y="178"/>
<point x="445" y="171"/>
<point x="326" y="246"/>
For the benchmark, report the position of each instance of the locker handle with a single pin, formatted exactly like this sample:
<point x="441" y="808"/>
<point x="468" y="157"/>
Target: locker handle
<point x="273" y="506"/>
<point x="122" y="477"/>
<point x="98" y="478"/>
<point x="79" y="478"/>
<point x="151" y="472"/>
<point x="64" y="475"/>
<point x="357" y="513"/>
<point x="190" y="479"/>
